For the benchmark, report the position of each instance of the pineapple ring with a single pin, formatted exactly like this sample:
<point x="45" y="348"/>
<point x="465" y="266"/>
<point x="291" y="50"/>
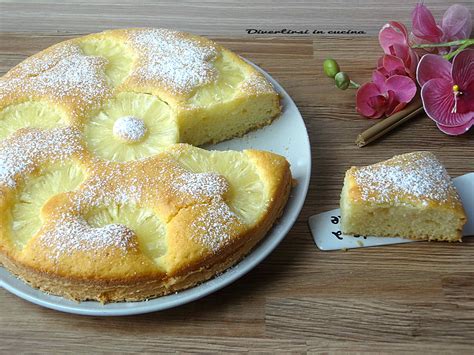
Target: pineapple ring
<point x="101" y="130"/>
<point x="144" y="223"/>
<point x="36" y="114"/>
<point x="119" y="57"/>
<point x="225" y="88"/>
<point x="26" y="212"/>
<point x="246" y="195"/>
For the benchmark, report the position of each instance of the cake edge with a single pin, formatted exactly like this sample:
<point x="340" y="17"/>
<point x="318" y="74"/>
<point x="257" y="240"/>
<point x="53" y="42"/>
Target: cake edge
<point x="141" y="289"/>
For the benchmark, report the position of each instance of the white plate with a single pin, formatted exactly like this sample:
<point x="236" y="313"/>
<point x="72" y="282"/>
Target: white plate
<point x="286" y="136"/>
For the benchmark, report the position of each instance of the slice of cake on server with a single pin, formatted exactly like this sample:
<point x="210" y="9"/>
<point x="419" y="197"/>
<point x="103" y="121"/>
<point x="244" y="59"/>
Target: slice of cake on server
<point x="410" y="196"/>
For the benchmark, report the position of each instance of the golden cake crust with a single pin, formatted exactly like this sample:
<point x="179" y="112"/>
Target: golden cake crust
<point x="76" y="251"/>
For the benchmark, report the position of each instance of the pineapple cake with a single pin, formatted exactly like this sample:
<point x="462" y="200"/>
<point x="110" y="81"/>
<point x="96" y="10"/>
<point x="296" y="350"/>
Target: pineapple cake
<point x="103" y="192"/>
<point x="409" y="195"/>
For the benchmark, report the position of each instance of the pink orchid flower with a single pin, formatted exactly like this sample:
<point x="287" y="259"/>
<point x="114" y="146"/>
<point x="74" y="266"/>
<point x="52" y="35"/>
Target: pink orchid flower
<point x="384" y="96"/>
<point x="393" y="38"/>
<point x="455" y="25"/>
<point x="447" y="90"/>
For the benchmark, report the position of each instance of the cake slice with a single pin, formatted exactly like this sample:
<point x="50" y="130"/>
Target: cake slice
<point x="410" y="196"/>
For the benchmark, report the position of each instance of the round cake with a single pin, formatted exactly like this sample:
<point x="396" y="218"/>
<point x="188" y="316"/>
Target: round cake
<point x="103" y="194"/>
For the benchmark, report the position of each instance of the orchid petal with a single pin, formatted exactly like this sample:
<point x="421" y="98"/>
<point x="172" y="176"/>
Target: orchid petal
<point x="369" y="101"/>
<point x="400" y="27"/>
<point x="393" y="33"/>
<point x="395" y="108"/>
<point x="393" y="105"/>
<point x="466" y="99"/>
<point x="391" y="102"/>
<point x="438" y="102"/>
<point x="463" y="69"/>
<point x="399" y="107"/>
<point x="424" y="25"/>
<point x="400" y="50"/>
<point x="403" y="87"/>
<point x="456" y="23"/>
<point x="378" y="79"/>
<point x="433" y="66"/>
<point x="393" y="64"/>
<point x="380" y="62"/>
<point x="457" y="130"/>
<point x="378" y="103"/>
<point x="412" y="64"/>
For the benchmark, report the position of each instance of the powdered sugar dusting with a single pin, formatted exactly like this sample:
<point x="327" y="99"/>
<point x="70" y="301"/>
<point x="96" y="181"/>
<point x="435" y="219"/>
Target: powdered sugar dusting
<point x="216" y="226"/>
<point x="103" y="189"/>
<point x="63" y="72"/>
<point x="256" y="84"/>
<point x="42" y="61"/>
<point x="72" y="234"/>
<point x="22" y="153"/>
<point x="200" y="184"/>
<point x="417" y="174"/>
<point x="181" y="64"/>
<point x="183" y="186"/>
<point x="129" y="129"/>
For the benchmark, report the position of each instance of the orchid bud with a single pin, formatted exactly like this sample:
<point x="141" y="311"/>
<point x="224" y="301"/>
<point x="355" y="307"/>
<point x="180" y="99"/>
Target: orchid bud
<point x="342" y="80"/>
<point x="331" y="68"/>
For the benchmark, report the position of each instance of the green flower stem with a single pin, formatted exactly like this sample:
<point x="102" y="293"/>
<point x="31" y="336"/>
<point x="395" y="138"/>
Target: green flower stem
<point x="462" y="43"/>
<point x="451" y="55"/>
<point x="354" y="85"/>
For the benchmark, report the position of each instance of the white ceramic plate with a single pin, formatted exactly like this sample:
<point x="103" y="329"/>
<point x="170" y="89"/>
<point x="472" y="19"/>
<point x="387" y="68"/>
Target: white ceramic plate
<point x="286" y="136"/>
